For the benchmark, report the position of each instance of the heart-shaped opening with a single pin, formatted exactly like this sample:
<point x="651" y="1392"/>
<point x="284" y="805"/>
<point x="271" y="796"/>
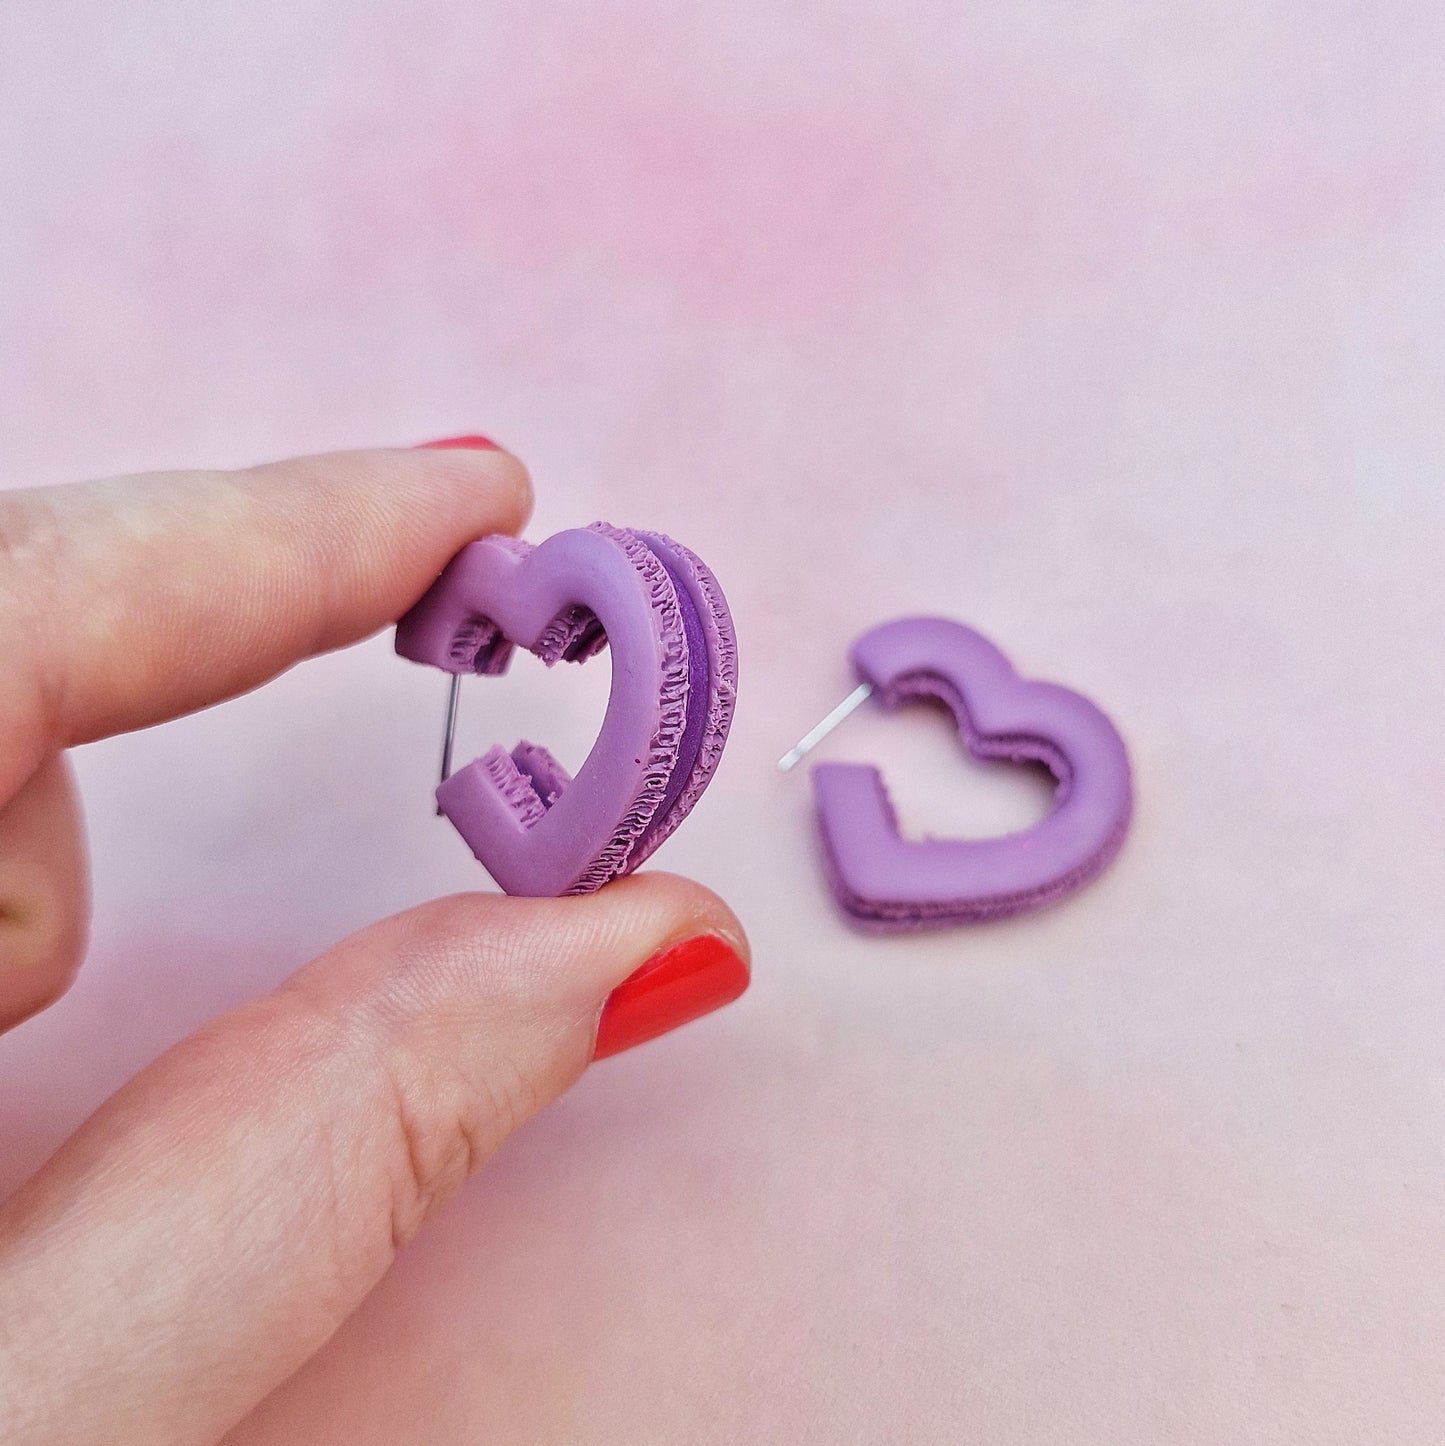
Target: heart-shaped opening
<point x="560" y="707"/>
<point x="937" y="787"/>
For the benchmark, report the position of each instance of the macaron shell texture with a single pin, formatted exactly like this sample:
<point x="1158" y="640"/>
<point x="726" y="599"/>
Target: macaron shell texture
<point x="714" y="683"/>
<point x="668" y="615"/>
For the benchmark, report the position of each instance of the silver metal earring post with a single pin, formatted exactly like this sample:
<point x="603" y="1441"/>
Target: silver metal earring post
<point x="820" y="731"/>
<point x="449" y="734"/>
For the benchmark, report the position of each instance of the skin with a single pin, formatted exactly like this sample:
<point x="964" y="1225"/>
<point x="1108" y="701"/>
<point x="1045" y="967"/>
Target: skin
<point x="209" y="1227"/>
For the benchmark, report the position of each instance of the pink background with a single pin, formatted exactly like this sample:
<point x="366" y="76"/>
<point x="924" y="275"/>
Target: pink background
<point x="1116" y="330"/>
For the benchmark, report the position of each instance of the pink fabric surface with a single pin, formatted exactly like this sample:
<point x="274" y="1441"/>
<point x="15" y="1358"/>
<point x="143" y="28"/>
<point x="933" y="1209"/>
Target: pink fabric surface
<point x="1116" y="331"/>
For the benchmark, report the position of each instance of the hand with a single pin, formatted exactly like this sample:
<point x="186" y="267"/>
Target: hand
<point x="212" y="1224"/>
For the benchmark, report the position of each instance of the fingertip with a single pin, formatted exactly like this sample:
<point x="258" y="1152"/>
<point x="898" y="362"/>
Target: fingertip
<point x="257" y="567"/>
<point x="563" y="959"/>
<point x="499" y="475"/>
<point x="677" y="985"/>
<point x="664" y="908"/>
<point x="482" y="488"/>
<point x="692" y="958"/>
<point x="397" y="515"/>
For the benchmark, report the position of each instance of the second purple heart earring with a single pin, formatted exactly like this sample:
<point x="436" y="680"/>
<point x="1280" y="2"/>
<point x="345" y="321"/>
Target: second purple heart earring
<point x="885" y="882"/>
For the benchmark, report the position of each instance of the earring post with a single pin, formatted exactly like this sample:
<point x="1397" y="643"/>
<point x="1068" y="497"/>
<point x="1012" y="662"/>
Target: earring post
<point x="816" y="734"/>
<point x="449" y="732"/>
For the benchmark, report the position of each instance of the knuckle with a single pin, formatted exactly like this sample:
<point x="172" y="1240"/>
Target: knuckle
<point x="445" y="1124"/>
<point x="30" y="538"/>
<point x="438" y="1069"/>
<point x="449" y="1104"/>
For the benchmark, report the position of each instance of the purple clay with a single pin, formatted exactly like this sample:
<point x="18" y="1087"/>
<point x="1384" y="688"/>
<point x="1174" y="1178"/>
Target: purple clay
<point x="674" y="683"/>
<point x="884" y="882"/>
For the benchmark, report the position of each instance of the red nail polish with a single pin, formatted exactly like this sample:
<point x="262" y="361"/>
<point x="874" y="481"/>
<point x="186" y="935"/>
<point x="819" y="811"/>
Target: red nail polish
<point x="475" y="443"/>
<point x="678" y="985"/>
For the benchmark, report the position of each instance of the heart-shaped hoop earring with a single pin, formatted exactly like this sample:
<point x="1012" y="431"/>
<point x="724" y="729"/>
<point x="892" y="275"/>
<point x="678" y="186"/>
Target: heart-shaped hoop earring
<point x="883" y="881"/>
<point x="674" y="683"/>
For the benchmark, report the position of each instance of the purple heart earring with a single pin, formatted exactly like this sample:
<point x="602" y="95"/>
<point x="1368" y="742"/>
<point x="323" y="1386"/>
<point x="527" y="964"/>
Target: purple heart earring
<point x="884" y="882"/>
<point x="674" y="683"/>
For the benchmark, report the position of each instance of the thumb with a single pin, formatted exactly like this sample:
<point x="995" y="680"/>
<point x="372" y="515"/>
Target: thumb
<point x="212" y="1224"/>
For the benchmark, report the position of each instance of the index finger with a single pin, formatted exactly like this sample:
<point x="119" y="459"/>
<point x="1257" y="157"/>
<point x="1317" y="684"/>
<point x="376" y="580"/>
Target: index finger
<point x="126" y="602"/>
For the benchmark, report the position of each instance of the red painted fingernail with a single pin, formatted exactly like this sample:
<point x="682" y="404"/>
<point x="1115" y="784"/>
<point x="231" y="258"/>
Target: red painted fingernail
<point x="475" y="443"/>
<point x="678" y="985"/>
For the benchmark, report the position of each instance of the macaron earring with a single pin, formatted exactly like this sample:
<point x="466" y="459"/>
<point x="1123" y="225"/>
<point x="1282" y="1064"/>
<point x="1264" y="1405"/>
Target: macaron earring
<point x="674" y="684"/>
<point x="885" y="882"/>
